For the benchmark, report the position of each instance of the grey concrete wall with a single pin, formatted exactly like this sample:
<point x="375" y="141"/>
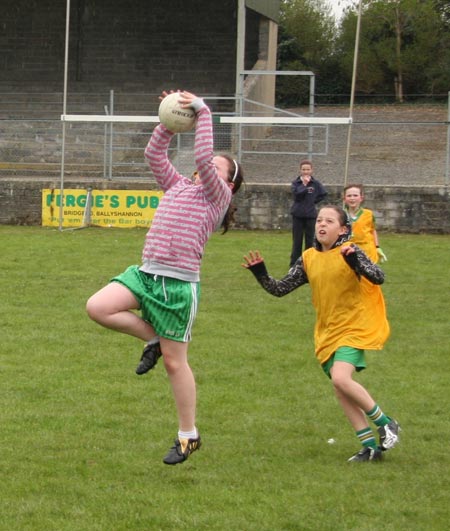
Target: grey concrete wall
<point x="140" y="44"/>
<point x="411" y="209"/>
<point x="407" y="209"/>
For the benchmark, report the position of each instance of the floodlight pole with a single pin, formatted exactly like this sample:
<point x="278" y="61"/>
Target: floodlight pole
<point x="63" y="139"/>
<point x="447" y="162"/>
<point x="352" y="92"/>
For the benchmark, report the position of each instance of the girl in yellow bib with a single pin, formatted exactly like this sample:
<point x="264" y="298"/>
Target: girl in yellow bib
<point x="364" y="232"/>
<point x="347" y="320"/>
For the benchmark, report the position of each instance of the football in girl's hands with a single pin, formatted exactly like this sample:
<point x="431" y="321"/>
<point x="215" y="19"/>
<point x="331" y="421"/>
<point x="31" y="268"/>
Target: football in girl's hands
<point x="176" y="118"/>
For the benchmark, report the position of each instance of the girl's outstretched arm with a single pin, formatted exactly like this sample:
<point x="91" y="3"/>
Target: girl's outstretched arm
<point x="295" y="278"/>
<point x="216" y="190"/>
<point x="361" y="264"/>
<point x="157" y="156"/>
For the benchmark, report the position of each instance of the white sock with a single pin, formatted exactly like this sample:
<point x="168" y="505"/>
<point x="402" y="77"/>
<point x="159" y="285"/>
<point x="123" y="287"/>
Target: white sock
<point x="188" y="434"/>
<point x="153" y="340"/>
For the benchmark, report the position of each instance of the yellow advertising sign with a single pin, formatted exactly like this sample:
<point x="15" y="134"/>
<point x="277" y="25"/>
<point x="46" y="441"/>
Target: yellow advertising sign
<point x="101" y="208"/>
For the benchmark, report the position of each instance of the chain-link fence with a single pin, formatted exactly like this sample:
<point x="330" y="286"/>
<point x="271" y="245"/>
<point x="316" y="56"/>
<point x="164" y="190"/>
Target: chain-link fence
<point x="389" y="144"/>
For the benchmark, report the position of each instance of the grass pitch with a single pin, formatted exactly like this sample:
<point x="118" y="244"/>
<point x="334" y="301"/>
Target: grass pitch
<point x="82" y="437"/>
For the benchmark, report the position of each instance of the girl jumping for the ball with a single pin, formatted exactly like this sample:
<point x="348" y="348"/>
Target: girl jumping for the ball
<point x="347" y="322"/>
<point x="166" y="287"/>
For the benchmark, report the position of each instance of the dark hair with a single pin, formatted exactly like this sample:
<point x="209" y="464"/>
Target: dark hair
<point x="306" y="161"/>
<point x="235" y="176"/>
<point x="235" y="173"/>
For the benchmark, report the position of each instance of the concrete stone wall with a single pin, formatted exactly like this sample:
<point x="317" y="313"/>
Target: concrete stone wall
<point x="402" y="209"/>
<point x="142" y="45"/>
<point x="397" y="208"/>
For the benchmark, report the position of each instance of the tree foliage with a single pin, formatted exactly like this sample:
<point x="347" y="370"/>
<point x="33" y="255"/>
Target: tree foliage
<point x="404" y="45"/>
<point x="306" y="42"/>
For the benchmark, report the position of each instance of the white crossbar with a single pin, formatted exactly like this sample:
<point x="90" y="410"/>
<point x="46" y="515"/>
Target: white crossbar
<point x="249" y="120"/>
<point x="292" y="120"/>
<point x="108" y="119"/>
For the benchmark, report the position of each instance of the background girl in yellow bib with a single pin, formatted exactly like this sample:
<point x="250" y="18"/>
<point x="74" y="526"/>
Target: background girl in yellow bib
<point x="364" y="232"/>
<point x="347" y="320"/>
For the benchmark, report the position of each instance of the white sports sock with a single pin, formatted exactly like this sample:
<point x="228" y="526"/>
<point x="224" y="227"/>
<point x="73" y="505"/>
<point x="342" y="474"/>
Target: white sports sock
<point x="188" y="434"/>
<point x="153" y="340"/>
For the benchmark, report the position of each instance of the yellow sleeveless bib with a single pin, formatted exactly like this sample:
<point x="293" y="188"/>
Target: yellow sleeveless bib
<point x="349" y="312"/>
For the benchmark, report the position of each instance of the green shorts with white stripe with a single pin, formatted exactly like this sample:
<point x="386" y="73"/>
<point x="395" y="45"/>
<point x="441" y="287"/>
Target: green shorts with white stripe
<point x="168" y="304"/>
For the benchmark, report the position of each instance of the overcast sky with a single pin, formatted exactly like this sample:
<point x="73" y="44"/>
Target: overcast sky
<point x="338" y="6"/>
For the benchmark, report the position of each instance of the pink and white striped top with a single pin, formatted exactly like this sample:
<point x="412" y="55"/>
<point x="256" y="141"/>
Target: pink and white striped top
<point x="187" y="213"/>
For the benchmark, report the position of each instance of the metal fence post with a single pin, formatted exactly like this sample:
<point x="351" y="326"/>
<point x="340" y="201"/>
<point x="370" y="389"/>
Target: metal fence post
<point x="111" y="106"/>
<point x="105" y="143"/>
<point x="312" y="88"/>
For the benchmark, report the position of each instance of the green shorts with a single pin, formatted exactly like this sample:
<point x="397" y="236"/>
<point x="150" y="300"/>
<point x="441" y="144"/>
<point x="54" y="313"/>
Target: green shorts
<point x="168" y="304"/>
<point x="355" y="356"/>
